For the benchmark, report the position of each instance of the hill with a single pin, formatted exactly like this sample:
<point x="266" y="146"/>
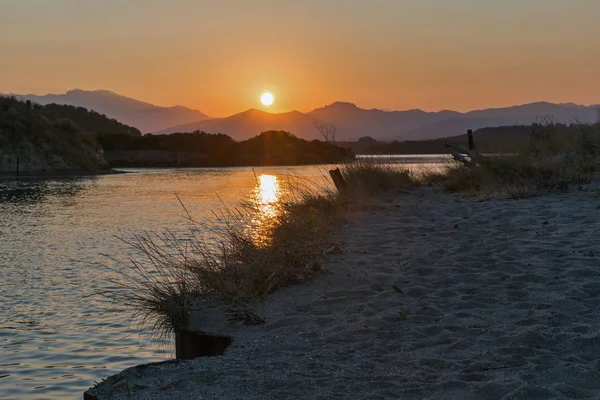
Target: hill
<point x="250" y="123"/>
<point x="36" y="144"/>
<point x="501" y="139"/>
<point x="526" y="114"/>
<point x="349" y="121"/>
<point x="88" y="121"/>
<point x="352" y="122"/>
<point x="144" y="116"/>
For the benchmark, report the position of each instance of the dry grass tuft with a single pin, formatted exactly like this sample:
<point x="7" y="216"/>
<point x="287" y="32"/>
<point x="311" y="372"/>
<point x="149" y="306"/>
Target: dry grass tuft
<point x="373" y="177"/>
<point x="154" y="286"/>
<point x="236" y="260"/>
<point x="250" y="256"/>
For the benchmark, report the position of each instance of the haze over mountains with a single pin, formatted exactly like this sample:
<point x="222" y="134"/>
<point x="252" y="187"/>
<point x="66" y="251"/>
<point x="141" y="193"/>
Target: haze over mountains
<point x="350" y="121"/>
<point x="144" y="116"/>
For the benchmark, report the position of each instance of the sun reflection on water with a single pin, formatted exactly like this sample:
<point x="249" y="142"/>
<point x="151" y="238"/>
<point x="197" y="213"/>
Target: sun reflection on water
<point x="266" y="195"/>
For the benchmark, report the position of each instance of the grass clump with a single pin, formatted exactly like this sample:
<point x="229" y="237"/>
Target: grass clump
<point x="235" y="261"/>
<point x="155" y="287"/>
<point x="252" y="254"/>
<point x="371" y="177"/>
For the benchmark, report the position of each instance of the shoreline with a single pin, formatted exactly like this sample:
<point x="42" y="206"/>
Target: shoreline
<point x="58" y="174"/>
<point x="434" y="296"/>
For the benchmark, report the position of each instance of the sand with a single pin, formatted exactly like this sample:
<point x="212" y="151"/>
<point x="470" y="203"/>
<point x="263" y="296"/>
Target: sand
<point x="436" y="296"/>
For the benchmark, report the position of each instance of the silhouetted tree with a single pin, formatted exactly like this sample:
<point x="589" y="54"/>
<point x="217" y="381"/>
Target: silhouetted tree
<point x="327" y="131"/>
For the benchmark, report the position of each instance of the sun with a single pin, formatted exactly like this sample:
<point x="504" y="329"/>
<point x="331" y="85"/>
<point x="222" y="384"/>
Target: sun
<point x="267" y="99"/>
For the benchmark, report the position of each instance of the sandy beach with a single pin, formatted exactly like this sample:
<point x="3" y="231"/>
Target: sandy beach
<point x="435" y="296"/>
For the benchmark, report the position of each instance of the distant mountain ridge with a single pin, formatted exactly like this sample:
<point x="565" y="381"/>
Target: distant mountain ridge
<point x="352" y="122"/>
<point x="250" y="123"/>
<point x="144" y="116"/>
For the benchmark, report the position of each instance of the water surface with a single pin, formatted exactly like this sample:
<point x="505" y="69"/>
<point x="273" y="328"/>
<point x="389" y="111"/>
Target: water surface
<point x="57" y="336"/>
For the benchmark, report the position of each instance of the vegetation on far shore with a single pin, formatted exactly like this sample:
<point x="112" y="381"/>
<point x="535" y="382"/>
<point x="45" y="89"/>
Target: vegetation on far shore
<point x="501" y="139"/>
<point x="199" y="149"/>
<point x="554" y="157"/>
<point x="29" y="139"/>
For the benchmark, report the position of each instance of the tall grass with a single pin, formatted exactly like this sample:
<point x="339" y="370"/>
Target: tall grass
<point x="251" y="256"/>
<point x="153" y="285"/>
<point x="245" y="253"/>
<point x="234" y="261"/>
<point x="372" y="177"/>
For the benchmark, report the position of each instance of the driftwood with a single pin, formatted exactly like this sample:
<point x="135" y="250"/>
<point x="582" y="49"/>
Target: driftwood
<point x="338" y="180"/>
<point x="460" y="154"/>
<point x="464" y="160"/>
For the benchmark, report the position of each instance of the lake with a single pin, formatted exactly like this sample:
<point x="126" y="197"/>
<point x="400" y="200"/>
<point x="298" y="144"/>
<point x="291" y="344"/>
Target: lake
<point x="57" y="335"/>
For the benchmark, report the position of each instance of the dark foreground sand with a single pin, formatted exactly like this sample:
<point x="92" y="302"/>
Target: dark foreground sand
<point x="435" y="297"/>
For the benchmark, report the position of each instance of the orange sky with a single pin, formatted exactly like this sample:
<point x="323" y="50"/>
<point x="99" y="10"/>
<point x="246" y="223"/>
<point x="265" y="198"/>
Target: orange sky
<point x="218" y="56"/>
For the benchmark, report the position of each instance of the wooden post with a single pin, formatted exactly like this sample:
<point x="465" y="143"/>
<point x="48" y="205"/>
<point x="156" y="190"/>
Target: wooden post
<point x="471" y="144"/>
<point x="190" y="345"/>
<point x="338" y="179"/>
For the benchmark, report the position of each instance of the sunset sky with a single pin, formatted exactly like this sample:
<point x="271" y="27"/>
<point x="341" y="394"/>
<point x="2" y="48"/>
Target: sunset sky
<point x="219" y="56"/>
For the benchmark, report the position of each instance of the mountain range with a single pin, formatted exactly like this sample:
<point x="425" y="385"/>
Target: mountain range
<point x="350" y="121"/>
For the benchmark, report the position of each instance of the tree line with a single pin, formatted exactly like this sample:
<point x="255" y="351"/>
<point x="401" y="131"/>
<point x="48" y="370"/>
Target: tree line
<point x="200" y="149"/>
